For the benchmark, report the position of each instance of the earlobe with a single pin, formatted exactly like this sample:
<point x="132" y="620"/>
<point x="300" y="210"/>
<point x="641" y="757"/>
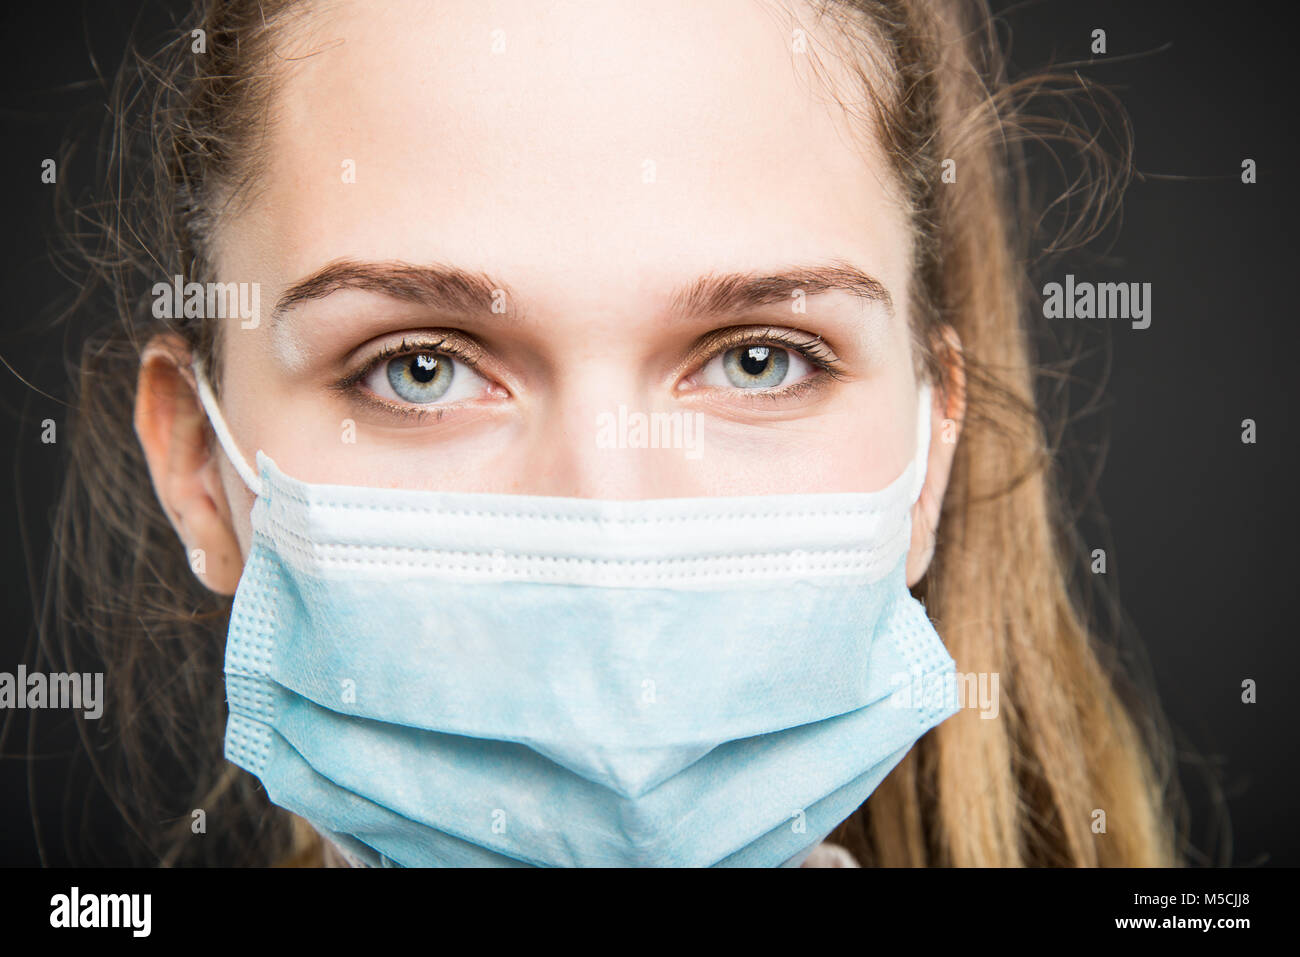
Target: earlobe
<point x="173" y="433"/>
<point x="947" y="413"/>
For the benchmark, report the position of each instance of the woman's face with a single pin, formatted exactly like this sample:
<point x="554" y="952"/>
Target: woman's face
<point x="493" y="240"/>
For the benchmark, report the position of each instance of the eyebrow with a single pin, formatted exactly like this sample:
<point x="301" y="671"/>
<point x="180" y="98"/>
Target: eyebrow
<point x="723" y="293"/>
<point x="456" y="290"/>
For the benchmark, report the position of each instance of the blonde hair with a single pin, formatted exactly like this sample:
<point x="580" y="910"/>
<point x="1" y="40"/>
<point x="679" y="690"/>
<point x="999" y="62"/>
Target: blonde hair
<point x="1021" y="790"/>
<point x="1025" y="789"/>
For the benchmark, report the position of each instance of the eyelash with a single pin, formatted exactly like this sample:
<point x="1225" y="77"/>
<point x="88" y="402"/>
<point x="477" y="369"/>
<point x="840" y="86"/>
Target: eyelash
<point x="349" y="385"/>
<point x="812" y="348"/>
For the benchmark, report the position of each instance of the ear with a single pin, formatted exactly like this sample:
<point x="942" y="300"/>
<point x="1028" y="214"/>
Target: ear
<point x="173" y="432"/>
<point x="947" y="412"/>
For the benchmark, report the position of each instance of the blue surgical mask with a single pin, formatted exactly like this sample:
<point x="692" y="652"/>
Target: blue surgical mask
<point x="463" y="679"/>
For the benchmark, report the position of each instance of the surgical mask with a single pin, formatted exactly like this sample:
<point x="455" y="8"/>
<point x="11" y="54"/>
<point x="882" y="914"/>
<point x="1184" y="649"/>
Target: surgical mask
<point x="463" y="679"/>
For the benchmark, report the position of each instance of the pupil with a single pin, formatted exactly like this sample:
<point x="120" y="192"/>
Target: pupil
<point x="755" y="360"/>
<point x="424" y="368"/>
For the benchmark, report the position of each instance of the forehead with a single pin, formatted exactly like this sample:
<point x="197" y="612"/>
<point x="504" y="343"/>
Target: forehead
<point x="562" y="144"/>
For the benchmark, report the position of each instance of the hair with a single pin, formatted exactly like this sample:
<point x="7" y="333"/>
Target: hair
<point x="1075" y="733"/>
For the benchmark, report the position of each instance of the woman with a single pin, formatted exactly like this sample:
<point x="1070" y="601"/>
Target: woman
<point x="469" y="247"/>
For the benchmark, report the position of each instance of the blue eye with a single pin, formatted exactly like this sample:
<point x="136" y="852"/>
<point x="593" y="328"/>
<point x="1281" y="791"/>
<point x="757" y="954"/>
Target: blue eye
<point x="422" y="377"/>
<point x="756" y="367"/>
<point x="415" y="374"/>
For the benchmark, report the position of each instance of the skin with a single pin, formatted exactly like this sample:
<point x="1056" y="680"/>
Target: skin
<point x="529" y="166"/>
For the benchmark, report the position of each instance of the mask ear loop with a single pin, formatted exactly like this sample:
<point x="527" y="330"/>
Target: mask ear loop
<point x="922" y="455"/>
<point x="209" y="401"/>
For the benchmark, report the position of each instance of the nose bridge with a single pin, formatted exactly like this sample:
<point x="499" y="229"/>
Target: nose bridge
<point x="604" y="433"/>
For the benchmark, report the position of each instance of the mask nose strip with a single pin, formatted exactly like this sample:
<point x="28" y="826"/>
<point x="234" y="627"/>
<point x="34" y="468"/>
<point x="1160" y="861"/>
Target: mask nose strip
<point x="209" y="401"/>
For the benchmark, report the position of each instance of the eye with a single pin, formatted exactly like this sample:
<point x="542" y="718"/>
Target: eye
<point x="755" y="366"/>
<point x="423" y="378"/>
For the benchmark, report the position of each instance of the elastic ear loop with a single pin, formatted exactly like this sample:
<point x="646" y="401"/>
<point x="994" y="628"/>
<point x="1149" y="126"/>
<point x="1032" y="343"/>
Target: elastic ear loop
<point x="923" y="426"/>
<point x="209" y="401"/>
